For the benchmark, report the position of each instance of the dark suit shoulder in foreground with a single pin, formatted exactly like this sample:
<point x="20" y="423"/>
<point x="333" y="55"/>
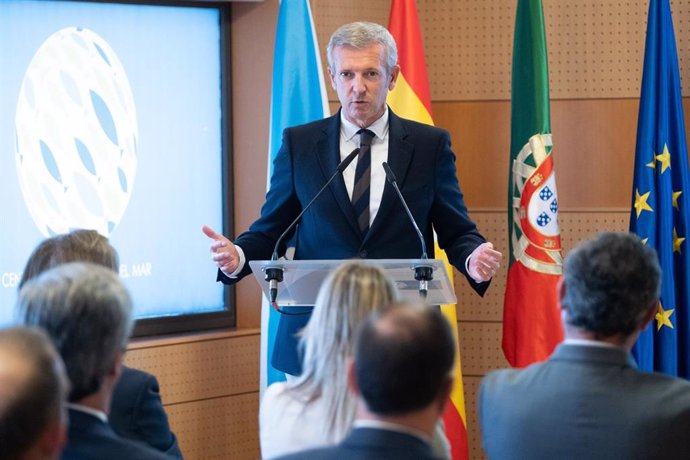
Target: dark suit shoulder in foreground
<point x="90" y="438"/>
<point x="584" y="402"/>
<point x="137" y="412"/>
<point x="370" y="444"/>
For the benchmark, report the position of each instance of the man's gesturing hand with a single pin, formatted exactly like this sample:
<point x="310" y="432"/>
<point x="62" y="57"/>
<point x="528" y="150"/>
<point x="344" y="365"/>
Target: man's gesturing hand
<point x="223" y="251"/>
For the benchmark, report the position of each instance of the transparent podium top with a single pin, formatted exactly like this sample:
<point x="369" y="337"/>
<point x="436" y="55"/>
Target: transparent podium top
<point x="303" y="278"/>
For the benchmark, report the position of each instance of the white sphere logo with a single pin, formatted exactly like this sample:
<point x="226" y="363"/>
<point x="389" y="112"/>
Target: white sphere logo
<point x="76" y="134"/>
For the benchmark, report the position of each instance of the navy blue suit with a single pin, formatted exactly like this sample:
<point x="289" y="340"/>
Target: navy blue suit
<point x="136" y="412"/>
<point x="421" y="159"/>
<point x="370" y="444"/>
<point x="91" y="438"/>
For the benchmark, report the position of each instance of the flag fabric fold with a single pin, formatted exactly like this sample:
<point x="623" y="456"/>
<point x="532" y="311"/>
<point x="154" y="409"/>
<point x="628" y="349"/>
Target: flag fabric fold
<point x="531" y="320"/>
<point x="660" y="213"/>
<point x="411" y="99"/>
<point x="298" y="96"/>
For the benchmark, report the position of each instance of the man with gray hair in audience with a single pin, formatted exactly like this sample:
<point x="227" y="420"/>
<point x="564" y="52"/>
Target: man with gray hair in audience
<point x="402" y="377"/>
<point x="589" y="400"/>
<point x="33" y="388"/>
<point x="87" y="312"/>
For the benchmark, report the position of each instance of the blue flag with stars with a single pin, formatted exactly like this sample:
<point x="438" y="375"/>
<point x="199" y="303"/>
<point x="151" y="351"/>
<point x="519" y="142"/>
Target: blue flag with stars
<point x="660" y="212"/>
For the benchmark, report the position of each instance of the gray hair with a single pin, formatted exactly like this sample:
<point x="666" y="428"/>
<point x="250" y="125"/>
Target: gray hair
<point x="346" y="297"/>
<point x="610" y="283"/>
<point x="361" y="35"/>
<point x="76" y="246"/>
<point x="33" y="388"/>
<point x="87" y="313"/>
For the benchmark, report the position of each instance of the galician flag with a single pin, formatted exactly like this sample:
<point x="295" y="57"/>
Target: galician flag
<point x="298" y="96"/>
<point x="660" y="214"/>
<point x="531" y="319"/>
<point x="411" y="99"/>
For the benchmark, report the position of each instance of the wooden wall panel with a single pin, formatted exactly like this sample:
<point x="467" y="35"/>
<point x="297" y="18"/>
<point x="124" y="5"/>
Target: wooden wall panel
<point x="209" y="385"/>
<point x="220" y="428"/>
<point x="594" y="147"/>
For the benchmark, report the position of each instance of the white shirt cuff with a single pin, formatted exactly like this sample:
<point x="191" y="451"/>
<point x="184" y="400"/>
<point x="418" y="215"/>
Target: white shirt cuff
<point x="240" y="266"/>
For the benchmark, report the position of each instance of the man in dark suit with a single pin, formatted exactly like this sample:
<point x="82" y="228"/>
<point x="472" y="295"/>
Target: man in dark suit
<point x="33" y="389"/>
<point x="589" y="400"/>
<point x="360" y="215"/>
<point x="402" y="376"/>
<point x="136" y="409"/>
<point x="87" y="313"/>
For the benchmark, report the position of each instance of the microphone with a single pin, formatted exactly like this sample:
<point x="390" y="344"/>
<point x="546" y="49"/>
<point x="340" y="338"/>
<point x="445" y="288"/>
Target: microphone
<point x="422" y="273"/>
<point x="274" y="273"/>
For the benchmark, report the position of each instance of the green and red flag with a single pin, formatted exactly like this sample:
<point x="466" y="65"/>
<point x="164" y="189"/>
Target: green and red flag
<point x="531" y="319"/>
<point x="411" y="99"/>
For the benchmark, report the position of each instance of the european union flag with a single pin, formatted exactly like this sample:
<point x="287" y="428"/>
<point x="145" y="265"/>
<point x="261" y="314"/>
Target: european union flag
<point x="660" y="212"/>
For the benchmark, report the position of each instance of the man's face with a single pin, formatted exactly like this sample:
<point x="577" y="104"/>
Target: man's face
<point x="359" y="77"/>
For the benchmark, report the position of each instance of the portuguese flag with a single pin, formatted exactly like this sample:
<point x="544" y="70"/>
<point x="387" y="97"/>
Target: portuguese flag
<point x="411" y="99"/>
<point x="531" y="319"/>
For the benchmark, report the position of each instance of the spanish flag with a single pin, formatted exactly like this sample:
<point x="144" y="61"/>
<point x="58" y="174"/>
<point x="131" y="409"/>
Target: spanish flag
<point x="411" y="99"/>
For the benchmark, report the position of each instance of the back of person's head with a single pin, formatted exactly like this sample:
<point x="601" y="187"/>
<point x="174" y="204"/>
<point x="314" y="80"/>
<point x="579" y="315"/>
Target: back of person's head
<point x="75" y="246"/>
<point x="347" y="295"/>
<point x="610" y="283"/>
<point x="33" y="388"/>
<point x="87" y="313"/>
<point x="403" y="359"/>
<point x="362" y="35"/>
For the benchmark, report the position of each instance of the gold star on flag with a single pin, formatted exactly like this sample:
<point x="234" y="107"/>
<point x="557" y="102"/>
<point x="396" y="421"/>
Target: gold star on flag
<point x="677" y="241"/>
<point x="664" y="159"/>
<point x="675" y="199"/>
<point x="651" y="164"/>
<point x="663" y="317"/>
<point x="644" y="240"/>
<point x="641" y="202"/>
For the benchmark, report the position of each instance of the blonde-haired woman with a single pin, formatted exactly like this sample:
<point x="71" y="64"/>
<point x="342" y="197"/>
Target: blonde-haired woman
<point x="315" y="408"/>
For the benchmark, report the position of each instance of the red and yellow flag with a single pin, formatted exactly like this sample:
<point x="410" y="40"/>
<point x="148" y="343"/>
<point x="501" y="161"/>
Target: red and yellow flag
<point x="411" y="99"/>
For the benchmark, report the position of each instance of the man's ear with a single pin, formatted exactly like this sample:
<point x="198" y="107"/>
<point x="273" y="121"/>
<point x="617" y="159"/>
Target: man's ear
<point x="444" y="393"/>
<point x="331" y="77"/>
<point x="54" y="438"/>
<point x="116" y="370"/>
<point x="560" y="292"/>
<point x="649" y="316"/>
<point x="393" y="77"/>
<point x="352" y="376"/>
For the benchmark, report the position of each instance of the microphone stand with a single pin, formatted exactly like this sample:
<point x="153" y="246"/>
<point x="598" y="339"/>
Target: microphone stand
<point x="422" y="272"/>
<point x="274" y="272"/>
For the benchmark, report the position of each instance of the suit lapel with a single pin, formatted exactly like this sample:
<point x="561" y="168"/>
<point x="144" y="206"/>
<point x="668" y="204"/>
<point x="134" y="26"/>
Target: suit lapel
<point x="399" y="157"/>
<point x="328" y="153"/>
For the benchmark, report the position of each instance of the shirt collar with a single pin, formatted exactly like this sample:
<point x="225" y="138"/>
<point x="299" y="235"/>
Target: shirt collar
<point x="89" y="410"/>
<point x="378" y="127"/>
<point x="591" y="343"/>
<point x="380" y="424"/>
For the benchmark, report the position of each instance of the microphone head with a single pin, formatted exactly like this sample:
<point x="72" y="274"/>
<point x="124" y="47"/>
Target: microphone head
<point x="348" y="159"/>
<point x="390" y="177"/>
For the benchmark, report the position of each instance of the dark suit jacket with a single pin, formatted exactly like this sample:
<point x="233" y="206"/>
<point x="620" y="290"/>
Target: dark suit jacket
<point x="370" y="444"/>
<point x="584" y="402"/>
<point x="136" y="412"/>
<point x="90" y="438"/>
<point x="424" y="165"/>
<point x="421" y="158"/>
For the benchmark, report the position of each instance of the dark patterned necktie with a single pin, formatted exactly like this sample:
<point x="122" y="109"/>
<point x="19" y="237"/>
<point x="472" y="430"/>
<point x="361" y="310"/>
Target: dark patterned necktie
<point x="360" y="193"/>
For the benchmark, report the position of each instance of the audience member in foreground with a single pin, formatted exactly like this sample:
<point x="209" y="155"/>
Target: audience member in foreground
<point x="316" y="409"/>
<point x="136" y="410"/>
<point x="589" y="400"/>
<point x="87" y="313"/>
<point x="33" y="388"/>
<point x="402" y="377"/>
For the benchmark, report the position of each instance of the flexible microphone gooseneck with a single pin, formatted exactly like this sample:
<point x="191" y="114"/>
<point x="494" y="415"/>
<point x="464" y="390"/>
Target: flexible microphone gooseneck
<point x="422" y="273"/>
<point x="274" y="273"/>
